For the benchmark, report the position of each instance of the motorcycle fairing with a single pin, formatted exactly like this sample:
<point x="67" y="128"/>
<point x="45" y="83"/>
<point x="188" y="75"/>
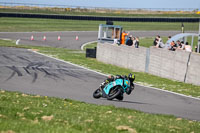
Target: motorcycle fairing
<point x="117" y="82"/>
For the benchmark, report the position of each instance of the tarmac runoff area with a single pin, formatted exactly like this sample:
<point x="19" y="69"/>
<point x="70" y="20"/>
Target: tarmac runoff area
<point x="29" y="72"/>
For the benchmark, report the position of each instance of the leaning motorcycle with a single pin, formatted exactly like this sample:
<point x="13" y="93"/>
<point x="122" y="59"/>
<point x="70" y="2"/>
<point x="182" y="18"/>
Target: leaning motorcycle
<point x="114" y="89"/>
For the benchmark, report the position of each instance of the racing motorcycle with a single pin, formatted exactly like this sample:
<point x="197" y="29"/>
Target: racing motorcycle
<point x="115" y="88"/>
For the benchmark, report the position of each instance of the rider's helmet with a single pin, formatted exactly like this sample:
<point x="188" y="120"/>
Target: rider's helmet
<point x="111" y="78"/>
<point x="131" y="77"/>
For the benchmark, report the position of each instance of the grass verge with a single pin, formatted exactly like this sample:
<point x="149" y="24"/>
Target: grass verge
<point x="141" y="78"/>
<point x="35" y="24"/>
<point x="33" y="113"/>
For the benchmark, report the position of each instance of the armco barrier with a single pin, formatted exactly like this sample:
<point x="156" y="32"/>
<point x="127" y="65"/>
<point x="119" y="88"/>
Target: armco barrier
<point x="177" y="65"/>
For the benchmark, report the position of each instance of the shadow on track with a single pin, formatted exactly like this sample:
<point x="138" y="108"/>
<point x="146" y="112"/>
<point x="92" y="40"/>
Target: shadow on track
<point x="126" y="101"/>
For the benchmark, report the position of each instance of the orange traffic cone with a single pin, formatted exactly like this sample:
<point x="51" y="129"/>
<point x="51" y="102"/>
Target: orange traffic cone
<point x="44" y="38"/>
<point x="59" y="38"/>
<point x="32" y="38"/>
<point x="76" y="38"/>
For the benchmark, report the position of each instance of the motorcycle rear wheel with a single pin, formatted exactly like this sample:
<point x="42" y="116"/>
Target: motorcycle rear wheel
<point x="120" y="97"/>
<point x="114" y="92"/>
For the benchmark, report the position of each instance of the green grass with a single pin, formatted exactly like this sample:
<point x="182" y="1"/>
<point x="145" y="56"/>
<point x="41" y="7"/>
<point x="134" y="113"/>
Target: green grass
<point x="141" y="78"/>
<point x="41" y="114"/>
<point x="35" y="24"/>
<point x="28" y="113"/>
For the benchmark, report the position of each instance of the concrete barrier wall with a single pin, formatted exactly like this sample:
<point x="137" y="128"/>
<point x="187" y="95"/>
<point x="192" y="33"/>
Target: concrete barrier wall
<point x="193" y="74"/>
<point x="168" y="64"/>
<point x="123" y="56"/>
<point x="160" y="62"/>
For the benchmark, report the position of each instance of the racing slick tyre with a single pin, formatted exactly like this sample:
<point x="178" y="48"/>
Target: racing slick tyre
<point x="120" y="97"/>
<point x="114" y="92"/>
<point x="97" y="94"/>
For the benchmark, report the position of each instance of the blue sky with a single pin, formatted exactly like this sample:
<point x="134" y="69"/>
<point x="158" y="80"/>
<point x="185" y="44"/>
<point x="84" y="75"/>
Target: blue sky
<point x="118" y="3"/>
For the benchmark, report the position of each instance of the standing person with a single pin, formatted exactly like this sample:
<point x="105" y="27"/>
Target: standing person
<point x="124" y="34"/>
<point x="137" y="42"/>
<point x="188" y="48"/>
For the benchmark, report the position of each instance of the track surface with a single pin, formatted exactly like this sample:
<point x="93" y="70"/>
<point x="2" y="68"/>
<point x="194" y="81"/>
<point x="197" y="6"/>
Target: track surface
<point x="28" y="72"/>
<point x="68" y="39"/>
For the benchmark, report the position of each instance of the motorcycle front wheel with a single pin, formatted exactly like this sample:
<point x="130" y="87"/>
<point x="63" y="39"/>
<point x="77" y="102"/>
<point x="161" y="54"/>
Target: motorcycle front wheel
<point x="97" y="94"/>
<point x="114" y="92"/>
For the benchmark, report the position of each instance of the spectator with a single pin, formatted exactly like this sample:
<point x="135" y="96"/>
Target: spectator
<point x="168" y="46"/>
<point x="159" y="43"/>
<point x="129" y="42"/>
<point x="128" y="38"/>
<point x="173" y="46"/>
<point x="124" y="34"/>
<point x="155" y="42"/>
<point x="188" y="48"/>
<point x="181" y="45"/>
<point x="134" y="41"/>
<point x="137" y="42"/>
<point x="178" y="43"/>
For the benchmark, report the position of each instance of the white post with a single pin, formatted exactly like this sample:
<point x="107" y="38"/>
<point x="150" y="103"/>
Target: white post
<point x="100" y="32"/>
<point x="198" y="47"/>
<point x="192" y="42"/>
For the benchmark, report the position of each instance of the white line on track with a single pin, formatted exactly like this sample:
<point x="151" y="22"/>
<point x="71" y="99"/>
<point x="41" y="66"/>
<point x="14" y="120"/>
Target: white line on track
<point x="83" y="45"/>
<point x="107" y="75"/>
<point x="171" y="92"/>
<point x="6" y="39"/>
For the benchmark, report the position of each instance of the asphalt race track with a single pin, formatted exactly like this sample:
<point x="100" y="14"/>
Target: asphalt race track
<point x="68" y="38"/>
<point x="29" y="72"/>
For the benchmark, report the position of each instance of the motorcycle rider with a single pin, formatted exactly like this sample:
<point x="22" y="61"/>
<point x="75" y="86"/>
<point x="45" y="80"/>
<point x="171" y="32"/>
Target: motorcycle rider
<point x="131" y="78"/>
<point x="111" y="78"/>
